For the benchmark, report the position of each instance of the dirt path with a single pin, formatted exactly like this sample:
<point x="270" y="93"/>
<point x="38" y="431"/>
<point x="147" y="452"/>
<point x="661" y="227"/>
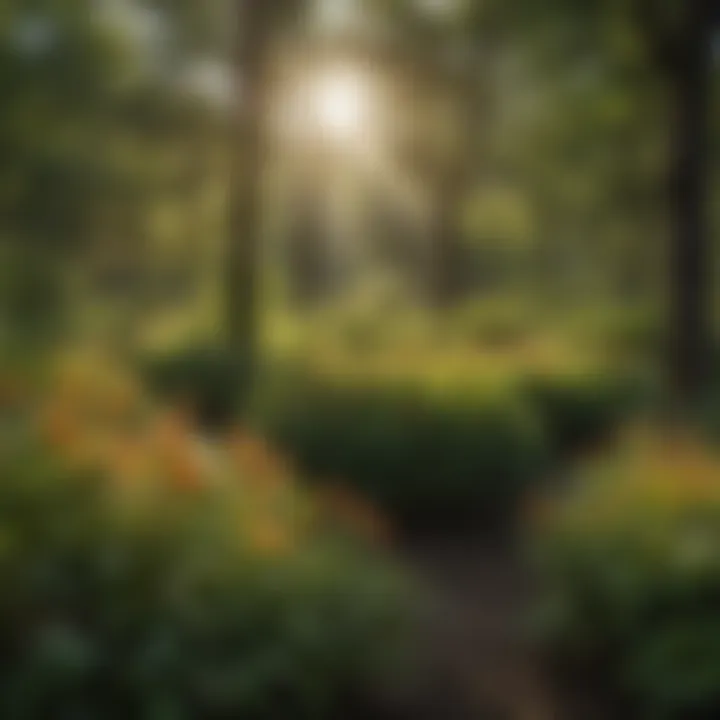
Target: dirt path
<point x="475" y="660"/>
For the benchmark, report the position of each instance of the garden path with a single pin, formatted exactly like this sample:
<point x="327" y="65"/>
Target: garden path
<point x="476" y="662"/>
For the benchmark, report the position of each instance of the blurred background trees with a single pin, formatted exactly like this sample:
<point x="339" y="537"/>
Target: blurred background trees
<point x="472" y="150"/>
<point x="470" y="240"/>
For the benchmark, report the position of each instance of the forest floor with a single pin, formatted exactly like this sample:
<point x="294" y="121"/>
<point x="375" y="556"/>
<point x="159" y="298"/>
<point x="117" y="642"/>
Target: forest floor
<point x="475" y="661"/>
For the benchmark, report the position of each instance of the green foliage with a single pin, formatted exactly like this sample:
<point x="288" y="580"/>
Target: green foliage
<point x="371" y="322"/>
<point x="205" y="378"/>
<point x="503" y="322"/>
<point x="187" y="593"/>
<point x="580" y="409"/>
<point x="625" y="331"/>
<point x="630" y="576"/>
<point x="499" y="220"/>
<point x="31" y="298"/>
<point x="445" y="437"/>
<point x="60" y="68"/>
<point x="430" y="455"/>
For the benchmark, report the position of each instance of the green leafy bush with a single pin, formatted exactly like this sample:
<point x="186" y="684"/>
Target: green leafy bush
<point x="443" y="443"/>
<point x="622" y="329"/>
<point x="430" y="455"/>
<point x="629" y="568"/>
<point x="33" y="302"/>
<point x="638" y="333"/>
<point x="146" y="575"/>
<point x="207" y="378"/>
<point x="580" y="409"/>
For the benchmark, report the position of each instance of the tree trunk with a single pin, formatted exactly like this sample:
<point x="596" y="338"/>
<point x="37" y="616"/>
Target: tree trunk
<point x="248" y="149"/>
<point x="690" y="247"/>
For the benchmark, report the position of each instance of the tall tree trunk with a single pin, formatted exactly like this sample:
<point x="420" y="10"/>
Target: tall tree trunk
<point x="248" y="150"/>
<point x="690" y="247"/>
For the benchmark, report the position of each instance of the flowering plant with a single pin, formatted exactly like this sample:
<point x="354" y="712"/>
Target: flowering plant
<point x="148" y="571"/>
<point x="629" y="563"/>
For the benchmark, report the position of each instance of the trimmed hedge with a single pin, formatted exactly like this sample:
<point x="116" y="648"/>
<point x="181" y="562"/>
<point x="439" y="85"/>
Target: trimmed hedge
<point x="428" y="457"/>
<point x="433" y="454"/>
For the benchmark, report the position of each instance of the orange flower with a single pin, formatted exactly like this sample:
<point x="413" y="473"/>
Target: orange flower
<point x="185" y="472"/>
<point x="268" y="537"/>
<point x="353" y="512"/>
<point x="59" y="426"/>
<point x="128" y="461"/>
<point x="173" y="426"/>
<point x="176" y="450"/>
<point x="259" y="466"/>
<point x="12" y="390"/>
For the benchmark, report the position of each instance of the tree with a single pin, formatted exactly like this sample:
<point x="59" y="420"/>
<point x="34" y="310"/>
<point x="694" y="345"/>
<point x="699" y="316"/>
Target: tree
<point x="677" y="35"/>
<point x="60" y="71"/>
<point x="258" y="28"/>
<point x="688" y="54"/>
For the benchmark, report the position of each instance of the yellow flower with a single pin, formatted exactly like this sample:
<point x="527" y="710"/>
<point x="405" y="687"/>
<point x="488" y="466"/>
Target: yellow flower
<point x="12" y="390"/>
<point x="342" y="505"/>
<point x="258" y="465"/>
<point x="268" y="537"/>
<point x="59" y="427"/>
<point x="176" y="451"/>
<point x="128" y="461"/>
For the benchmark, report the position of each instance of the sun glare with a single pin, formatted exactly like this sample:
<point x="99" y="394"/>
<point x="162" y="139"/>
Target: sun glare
<point x="341" y="105"/>
<point x="337" y="105"/>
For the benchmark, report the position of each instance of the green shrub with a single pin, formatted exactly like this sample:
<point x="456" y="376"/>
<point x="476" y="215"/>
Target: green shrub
<point x="500" y="322"/>
<point x="440" y="447"/>
<point x="629" y="569"/>
<point x="428" y="455"/>
<point x="580" y="409"/>
<point x="207" y="378"/>
<point x="143" y="578"/>
<point x="33" y="301"/>
<point x="637" y="333"/>
<point x="630" y="330"/>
